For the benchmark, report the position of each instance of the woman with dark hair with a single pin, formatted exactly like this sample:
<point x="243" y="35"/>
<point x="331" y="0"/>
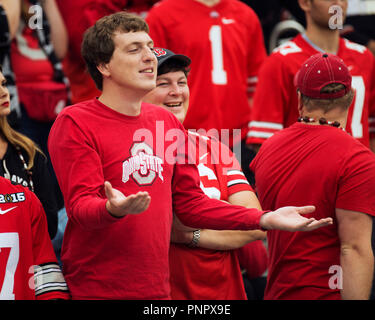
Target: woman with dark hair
<point x="22" y="162"/>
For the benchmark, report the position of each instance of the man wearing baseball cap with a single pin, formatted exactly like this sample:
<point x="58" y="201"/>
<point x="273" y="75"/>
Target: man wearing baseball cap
<point x="316" y="161"/>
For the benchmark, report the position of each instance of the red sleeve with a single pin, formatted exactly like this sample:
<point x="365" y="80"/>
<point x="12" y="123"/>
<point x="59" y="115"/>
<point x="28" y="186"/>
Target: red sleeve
<point x="357" y="182"/>
<point x="271" y="100"/>
<point x="49" y="281"/>
<point x="196" y="210"/>
<point x="253" y="257"/>
<point x="81" y="182"/>
<point x="235" y="178"/>
<point x="372" y="102"/>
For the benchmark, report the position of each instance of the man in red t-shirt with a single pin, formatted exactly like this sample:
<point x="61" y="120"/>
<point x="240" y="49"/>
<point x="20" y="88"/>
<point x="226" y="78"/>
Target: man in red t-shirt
<point x="117" y="238"/>
<point x="315" y="161"/>
<point x="275" y="100"/>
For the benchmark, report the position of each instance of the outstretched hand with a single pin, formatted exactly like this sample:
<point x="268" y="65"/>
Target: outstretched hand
<point x="119" y="205"/>
<point x="291" y="219"/>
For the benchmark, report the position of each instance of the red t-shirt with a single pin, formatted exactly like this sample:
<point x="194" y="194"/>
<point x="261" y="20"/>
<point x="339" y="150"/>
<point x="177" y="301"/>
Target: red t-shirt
<point x="275" y="101"/>
<point x="226" y="46"/>
<point x="28" y="265"/>
<point x="202" y="274"/>
<point x="127" y="258"/>
<point x="311" y="165"/>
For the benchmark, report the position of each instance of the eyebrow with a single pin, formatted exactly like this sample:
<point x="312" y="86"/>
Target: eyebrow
<point x="139" y="43"/>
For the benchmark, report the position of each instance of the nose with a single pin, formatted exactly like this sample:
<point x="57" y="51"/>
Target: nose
<point x="149" y="54"/>
<point x="175" y="90"/>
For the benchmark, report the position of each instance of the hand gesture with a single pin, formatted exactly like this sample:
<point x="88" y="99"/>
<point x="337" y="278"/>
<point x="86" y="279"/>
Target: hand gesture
<point x="119" y="205"/>
<point x="290" y="219"/>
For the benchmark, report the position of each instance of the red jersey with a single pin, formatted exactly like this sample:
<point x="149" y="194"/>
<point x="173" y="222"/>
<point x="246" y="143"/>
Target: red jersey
<point x="202" y="274"/>
<point x="133" y="153"/>
<point x="29" y="62"/>
<point x="322" y="166"/>
<point x="28" y="265"/>
<point x="226" y="46"/>
<point x="275" y="101"/>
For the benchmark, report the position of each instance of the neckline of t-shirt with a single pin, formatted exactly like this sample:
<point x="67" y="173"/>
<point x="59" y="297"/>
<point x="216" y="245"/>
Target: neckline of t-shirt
<point x="117" y="114"/>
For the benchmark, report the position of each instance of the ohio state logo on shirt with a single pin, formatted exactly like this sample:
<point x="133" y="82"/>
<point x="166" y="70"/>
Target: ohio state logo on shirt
<point x="143" y="166"/>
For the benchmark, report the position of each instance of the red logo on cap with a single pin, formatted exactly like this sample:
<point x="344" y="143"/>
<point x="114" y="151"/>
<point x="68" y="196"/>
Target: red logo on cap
<point x="159" y="52"/>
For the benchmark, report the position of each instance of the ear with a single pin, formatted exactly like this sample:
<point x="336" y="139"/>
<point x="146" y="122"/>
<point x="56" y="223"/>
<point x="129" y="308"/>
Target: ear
<point x="304" y="4"/>
<point x="300" y="105"/>
<point x="104" y="70"/>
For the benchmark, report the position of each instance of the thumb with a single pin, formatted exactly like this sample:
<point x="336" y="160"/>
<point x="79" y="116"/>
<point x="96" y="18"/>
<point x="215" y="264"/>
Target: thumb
<point x="306" y="209"/>
<point x="108" y="189"/>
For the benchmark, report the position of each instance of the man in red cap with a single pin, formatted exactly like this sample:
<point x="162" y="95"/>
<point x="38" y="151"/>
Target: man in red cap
<point x="316" y="161"/>
<point x="275" y="98"/>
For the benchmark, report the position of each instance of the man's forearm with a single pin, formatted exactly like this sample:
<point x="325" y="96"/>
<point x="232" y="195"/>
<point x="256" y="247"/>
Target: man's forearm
<point x="358" y="268"/>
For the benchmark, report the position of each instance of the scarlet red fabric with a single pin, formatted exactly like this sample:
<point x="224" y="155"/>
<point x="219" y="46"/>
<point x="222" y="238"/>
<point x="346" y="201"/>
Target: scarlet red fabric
<point x="318" y="165"/>
<point x="130" y="261"/>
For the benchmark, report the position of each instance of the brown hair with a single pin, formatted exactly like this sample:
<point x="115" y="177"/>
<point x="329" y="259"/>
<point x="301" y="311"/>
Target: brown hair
<point x="328" y="104"/>
<point x="17" y="139"/>
<point x="98" y="45"/>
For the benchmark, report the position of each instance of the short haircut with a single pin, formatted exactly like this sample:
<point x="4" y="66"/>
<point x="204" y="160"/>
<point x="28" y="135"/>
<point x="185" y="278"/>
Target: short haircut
<point x="173" y="65"/>
<point x="98" y="45"/>
<point x="327" y="105"/>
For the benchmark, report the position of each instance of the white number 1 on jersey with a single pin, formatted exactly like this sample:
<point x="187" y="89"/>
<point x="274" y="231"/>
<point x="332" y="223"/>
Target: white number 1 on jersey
<point x="356" y="125"/>
<point x="219" y="75"/>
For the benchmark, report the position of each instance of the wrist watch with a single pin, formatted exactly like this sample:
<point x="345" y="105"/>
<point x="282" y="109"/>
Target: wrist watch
<point x="196" y="236"/>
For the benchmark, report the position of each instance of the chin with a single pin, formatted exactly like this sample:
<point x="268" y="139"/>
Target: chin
<point x="4" y="112"/>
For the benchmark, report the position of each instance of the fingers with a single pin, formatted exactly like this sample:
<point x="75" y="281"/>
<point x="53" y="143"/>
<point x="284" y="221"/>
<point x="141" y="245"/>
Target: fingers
<point x="305" y="209"/>
<point x="138" y="203"/>
<point x="315" y="224"/>
<point x="119" y="205"/>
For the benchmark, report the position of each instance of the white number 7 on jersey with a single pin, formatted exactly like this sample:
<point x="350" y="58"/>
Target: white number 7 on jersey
<point x="219" y="75"/>
<point x="9" y="240"/>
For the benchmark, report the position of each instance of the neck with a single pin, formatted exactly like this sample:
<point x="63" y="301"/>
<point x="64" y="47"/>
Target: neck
<point x="334" y="118"/>
<point x="209" y="3"/>
<point x="127" y="102"/>
<point x="326" y="39"/>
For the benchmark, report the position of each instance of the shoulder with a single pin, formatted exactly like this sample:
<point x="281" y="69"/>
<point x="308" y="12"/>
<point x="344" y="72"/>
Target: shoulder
<point x="11" y="193"/>
<point x="353" y="47"/>
<point x="288" y="57"/>
<point x="289" y="49"/>
<point x="77" y="109"/>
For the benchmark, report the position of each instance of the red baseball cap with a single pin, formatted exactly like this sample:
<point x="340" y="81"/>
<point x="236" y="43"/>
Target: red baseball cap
<point x="320" y="70"/>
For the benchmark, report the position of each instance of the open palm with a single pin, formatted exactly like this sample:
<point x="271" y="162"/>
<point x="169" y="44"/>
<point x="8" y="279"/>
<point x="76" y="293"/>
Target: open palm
<point x="119" y="205"/>
<point x="291" y="219"/>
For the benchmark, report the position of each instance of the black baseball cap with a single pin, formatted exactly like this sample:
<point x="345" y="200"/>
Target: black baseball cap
<point x="164" y="54"/>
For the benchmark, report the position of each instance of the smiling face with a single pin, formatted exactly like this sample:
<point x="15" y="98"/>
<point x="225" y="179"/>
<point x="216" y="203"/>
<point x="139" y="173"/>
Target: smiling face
<point x="133" y="64"/>
<point x="4" y="97"/>
<point x="171" y="93"/>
